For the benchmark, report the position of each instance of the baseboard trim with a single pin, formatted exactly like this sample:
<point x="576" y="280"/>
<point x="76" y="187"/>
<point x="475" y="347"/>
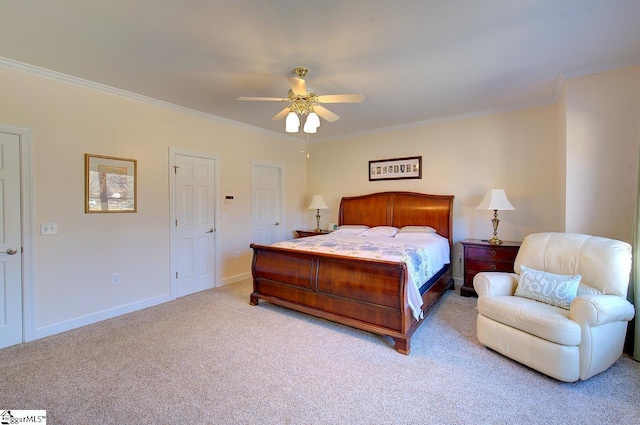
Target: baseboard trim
<point x="234" y="279"/>
<point x="89" y="319"/>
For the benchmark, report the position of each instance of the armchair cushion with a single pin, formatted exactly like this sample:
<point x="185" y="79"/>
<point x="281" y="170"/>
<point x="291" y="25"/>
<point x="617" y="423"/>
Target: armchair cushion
<point x="533" y="317"/>
<point x="550" y="288"/>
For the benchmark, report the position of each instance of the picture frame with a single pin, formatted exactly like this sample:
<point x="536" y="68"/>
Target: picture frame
<point x="396" y="168"/>
<point x="110" y="184"/>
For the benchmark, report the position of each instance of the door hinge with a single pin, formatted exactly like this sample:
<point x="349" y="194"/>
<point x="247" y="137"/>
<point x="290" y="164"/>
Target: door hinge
<point x="176" y="222"/>
<point x="176" y="275"/>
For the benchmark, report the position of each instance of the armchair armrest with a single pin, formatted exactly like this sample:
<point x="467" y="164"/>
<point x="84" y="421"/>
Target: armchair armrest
<point x="495" y="283"/>
<point x="596" y="310"/>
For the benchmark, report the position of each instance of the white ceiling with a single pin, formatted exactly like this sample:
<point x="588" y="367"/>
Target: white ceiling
<point x="416" y="61"/>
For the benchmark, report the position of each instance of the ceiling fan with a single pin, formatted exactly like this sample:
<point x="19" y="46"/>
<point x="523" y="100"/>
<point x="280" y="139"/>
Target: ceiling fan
<point x="303" y="101"/>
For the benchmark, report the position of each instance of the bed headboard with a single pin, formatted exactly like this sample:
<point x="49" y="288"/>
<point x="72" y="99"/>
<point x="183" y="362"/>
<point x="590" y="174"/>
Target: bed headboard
<point x="399" y="209"/>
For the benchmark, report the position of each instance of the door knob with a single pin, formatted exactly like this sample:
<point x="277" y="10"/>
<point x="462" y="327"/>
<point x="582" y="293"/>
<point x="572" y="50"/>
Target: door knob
<point x="10" y="251"/>
<point x="209" y="231"/>
<point x="277" y="224"/>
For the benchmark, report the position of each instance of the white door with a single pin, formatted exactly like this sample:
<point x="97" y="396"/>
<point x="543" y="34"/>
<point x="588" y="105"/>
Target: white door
<point x="266" y="205"/>
<point x="10" y="242"/>
<point x="195" y="224"/>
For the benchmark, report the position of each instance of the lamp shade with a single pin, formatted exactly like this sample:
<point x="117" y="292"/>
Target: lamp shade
<point x="317" y="203"/>
<point x="312" y="123"/>
<point x="495" y="199"/>
<point x="309" y="128"/>
<point x="292" y="123"/>
<point x="313" y="119"/>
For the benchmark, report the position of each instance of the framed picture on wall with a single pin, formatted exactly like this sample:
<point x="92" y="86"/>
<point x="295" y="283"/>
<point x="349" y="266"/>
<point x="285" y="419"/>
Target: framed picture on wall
<point x="396" y="168"/>
<point x="110" y="184"/>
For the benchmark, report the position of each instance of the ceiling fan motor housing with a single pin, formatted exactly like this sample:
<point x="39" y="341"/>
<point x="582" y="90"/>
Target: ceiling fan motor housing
<point x="303" y="104"/>
<point x="301" y="71"/>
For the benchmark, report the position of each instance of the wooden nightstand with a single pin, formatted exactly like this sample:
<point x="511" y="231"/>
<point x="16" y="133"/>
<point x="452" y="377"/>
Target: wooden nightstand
<point x="481" y="256"/>
<point x="306" y="233"/>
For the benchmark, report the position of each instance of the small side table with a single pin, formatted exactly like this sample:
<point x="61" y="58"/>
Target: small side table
<point x="481" y="256"/>
<point x="306" y="233"/>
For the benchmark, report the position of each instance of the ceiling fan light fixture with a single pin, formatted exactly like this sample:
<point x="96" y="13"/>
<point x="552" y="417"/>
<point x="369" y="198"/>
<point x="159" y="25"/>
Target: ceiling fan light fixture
<point x="313" y="119"/>
<point x="309" y="127"/>
<point x="292" y="124"/>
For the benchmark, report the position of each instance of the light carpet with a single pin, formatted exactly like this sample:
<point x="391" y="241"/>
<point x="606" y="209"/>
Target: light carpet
<point x="211" y="358"/>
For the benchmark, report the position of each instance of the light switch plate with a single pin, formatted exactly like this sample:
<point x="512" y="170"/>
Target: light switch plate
<point x="48" y="228"/>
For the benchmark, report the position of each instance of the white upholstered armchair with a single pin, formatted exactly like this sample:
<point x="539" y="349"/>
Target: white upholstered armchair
<point x="565" y="310"/>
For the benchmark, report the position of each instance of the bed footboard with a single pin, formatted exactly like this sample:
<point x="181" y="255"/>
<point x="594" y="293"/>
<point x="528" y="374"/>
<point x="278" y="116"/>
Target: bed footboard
<point x="366" y="294"/>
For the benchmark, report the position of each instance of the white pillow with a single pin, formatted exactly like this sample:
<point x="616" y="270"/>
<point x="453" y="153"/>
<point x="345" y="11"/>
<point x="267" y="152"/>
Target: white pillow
<point x="381" y="231"/>
<point x="351" y="229"/>
<point x="417" y="229"/>
<point x="553" y="289"/>
<point x="416" y="235"/>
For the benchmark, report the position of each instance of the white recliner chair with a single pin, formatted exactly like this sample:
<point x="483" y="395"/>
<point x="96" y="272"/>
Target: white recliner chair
<point x="564" y="312"/>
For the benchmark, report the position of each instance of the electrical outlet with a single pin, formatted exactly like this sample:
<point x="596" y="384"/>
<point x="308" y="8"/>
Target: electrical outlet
<point x="237" y="255"/>
<point x="115" y="278"/>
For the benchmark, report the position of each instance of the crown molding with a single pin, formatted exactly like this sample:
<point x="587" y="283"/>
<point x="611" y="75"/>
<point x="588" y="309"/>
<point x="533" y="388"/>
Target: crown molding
<point x="91" y="85"/>
<point x="602" y="68"/>
<point x="561" y="81"/>
<point x="440" y="120"/>
<point x="563" y="77"/>
<point x="102" y="88"/>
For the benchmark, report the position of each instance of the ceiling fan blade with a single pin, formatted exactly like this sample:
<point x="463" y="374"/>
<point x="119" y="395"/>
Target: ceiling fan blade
<point x="325" y="113"/>
<point x="265" y="99"/>
<point x="298" y="86"/>
<point x="281" y="114"/>
<point x="341" y="98"/>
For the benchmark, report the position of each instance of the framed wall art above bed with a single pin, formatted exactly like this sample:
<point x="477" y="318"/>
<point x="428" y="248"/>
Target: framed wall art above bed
<point x="396" y="168"/>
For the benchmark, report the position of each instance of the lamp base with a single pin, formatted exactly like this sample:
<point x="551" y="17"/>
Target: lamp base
<point x="495" y="241"/>
<point x="317" y="229"/>
<point x="495" y="221"/>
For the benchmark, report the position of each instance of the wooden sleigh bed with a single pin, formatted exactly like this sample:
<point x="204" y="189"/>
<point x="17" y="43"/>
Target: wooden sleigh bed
<point x="366" y="294"/>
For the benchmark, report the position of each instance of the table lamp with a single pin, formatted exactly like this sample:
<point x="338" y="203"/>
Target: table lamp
<point x="495" y="200"/>
<point x="317" y="203"/>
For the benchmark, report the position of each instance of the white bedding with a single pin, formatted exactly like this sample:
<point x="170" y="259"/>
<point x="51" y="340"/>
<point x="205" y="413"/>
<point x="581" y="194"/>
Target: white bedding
<point x="424" y="256"/>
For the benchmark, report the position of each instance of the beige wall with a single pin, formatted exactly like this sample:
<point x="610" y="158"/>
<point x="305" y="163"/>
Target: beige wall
<point x="561" y="153"/>
<point x="584" y="149"/>
<point x="73" y="268"/>
<point x="570" y="167"/>
<point x="602" y="137"/>
<point x="466" y="158"/>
